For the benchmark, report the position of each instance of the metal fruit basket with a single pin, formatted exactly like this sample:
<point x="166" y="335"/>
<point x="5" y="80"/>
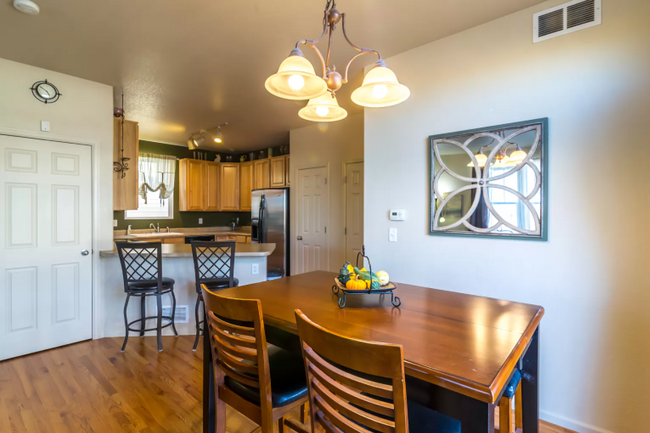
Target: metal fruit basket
<point x="341" y="291"/>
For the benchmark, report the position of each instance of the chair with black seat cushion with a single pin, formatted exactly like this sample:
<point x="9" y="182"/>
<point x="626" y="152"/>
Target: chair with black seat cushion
<point x="214" y="266"/>
<point x="262" y="384"/>
<point x="358" y="386"/>
<point x="142" y="271"/>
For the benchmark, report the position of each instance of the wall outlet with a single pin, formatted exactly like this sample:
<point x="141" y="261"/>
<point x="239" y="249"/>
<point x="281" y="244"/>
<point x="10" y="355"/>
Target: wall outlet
<point x="255" y="269"/>
<point x="114" y="223"/>
<point x="45" y="126"/>
<point x="392" y="234"/>
<point x="200" y="220"/>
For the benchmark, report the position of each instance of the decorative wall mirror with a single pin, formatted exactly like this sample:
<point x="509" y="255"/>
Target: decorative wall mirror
<point x="490" y="181"/>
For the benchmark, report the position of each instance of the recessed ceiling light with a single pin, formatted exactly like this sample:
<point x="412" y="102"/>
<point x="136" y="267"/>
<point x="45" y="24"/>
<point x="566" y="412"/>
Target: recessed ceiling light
<point x="27" y="6"/>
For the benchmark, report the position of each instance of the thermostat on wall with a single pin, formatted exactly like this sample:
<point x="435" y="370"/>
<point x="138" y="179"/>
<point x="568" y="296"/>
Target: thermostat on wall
<point x="397" y="215"/>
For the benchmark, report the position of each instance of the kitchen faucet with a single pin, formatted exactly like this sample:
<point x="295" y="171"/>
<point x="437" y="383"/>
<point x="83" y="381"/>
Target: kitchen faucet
<point x="155" y="228"/>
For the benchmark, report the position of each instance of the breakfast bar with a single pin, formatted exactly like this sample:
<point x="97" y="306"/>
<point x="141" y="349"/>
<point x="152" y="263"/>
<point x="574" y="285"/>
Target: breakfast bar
<point x="250" y="267"/>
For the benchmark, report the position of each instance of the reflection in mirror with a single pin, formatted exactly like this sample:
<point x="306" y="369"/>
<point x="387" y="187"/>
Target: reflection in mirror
<point x="490" y="181"/>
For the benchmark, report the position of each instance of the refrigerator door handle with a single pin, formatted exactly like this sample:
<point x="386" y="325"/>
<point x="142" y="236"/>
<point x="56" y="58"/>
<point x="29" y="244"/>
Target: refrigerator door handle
<point x="260" y="226"/>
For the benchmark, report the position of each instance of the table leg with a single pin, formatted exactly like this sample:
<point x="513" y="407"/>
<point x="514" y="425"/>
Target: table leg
<point x="530" y="386"/>
<point x="208" y="385"/>
<point x="475" y="416"/>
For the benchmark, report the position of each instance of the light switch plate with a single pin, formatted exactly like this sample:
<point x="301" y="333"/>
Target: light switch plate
<point x="45" y="126"/>
<point x="397" y="214"/>
<point x="114" y="223"/>
<point x="392" y="234"/>
<point x="200" y="220"/>
<point x="255" y="269"/>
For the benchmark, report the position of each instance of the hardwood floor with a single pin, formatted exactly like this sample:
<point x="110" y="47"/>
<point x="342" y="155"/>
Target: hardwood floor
<point x="93" y="387"/>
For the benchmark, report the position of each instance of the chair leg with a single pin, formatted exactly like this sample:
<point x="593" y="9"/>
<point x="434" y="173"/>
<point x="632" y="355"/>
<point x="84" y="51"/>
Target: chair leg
<point x="198" y="324"/>
<point x="519" y="422"/>
<point x="281" y="427"/>
<point x="126" y="322"/>
<point x="505" y="415"/>
<point x="304" y="413"/>
<point x="143" y="314"/>
<point x="159" y="325"/>
<point x="174" y="312"/>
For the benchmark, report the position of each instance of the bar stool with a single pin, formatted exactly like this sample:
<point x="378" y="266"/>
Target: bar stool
<point x="358" y="386"/>
<point x="260" y="381"/>
<point x="214" y="266"/>
<point x="142" y="270"/>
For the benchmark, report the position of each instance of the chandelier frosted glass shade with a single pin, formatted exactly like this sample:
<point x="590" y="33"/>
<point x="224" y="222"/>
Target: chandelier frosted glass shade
<point x="517" y="156"/>
<point x="296" y="80"/>
<point x="380" y="88"/>
<point x="324" y="108"/>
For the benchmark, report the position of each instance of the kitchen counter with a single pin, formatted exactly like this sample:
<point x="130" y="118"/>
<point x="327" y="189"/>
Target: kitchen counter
<point x="185" y="250"/>
<point x="177" y="233"/>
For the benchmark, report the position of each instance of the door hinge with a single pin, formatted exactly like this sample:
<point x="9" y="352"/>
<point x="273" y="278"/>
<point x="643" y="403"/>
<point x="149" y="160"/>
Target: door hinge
<point x="325" y="181"/>
<point x="346" y="231"/>
<point x="325" y="229"/>
<point x="345" y="179"/>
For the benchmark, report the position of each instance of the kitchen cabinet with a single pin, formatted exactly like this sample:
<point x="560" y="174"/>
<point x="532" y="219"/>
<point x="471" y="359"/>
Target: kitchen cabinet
<point x="288" y="171"/>
<point x="199" y="185"/>
<point x="278" y="171"/>
<point x="229" y="179"/>
<point x="211" y="186"/>
<point x="246" y="182"/>
<point x="262" y="173"/>
<point x="125" y="189"/>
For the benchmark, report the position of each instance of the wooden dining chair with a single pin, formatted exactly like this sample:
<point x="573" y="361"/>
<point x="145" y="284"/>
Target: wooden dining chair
<point x="261" y="383"/>
<point x="358" y="386"/>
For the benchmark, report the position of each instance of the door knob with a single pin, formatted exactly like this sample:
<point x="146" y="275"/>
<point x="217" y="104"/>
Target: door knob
<point x="299" y="238"/>
<point x="85" y="253"/>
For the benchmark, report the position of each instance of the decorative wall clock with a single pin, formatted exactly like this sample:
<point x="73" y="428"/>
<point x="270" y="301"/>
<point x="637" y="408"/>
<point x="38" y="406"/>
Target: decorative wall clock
<point x="45" y="92"/>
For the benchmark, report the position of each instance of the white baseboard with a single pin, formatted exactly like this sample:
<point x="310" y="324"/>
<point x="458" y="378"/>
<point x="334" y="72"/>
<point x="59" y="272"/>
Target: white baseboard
<point x="571" y="424"/>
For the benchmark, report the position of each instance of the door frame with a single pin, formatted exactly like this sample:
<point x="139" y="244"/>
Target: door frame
<point x="294" y="219"/>
<point x="344" y="214"/>
<point x="97" y="315"/>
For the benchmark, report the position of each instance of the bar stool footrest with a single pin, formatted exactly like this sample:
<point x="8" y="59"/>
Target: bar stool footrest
<point x="150" y="318"/>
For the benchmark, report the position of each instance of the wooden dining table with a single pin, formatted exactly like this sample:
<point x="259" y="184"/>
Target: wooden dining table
<point x="460" y="351"/>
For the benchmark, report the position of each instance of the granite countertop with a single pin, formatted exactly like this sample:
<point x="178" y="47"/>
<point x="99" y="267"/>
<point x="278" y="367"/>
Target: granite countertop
<point x="120" y="235"/>
<point x="185" y="250"/>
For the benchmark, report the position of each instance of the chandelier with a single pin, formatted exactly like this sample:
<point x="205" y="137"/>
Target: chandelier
<point x="297" y="80"/>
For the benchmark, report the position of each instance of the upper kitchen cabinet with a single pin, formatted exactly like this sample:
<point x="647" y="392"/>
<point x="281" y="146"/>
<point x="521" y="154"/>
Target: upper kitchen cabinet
<point x="199" y="185"/>
<point x="125" y="189"/>
<point x="246" y="182"/>
<point x="278" y="171"/>
<point x="229" y="179"/>
<point x="262" y="173"/>
<point x="287" y="168"/>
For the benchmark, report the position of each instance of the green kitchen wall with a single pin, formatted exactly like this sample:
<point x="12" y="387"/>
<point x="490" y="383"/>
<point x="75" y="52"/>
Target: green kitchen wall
<point x="182" y="219"/>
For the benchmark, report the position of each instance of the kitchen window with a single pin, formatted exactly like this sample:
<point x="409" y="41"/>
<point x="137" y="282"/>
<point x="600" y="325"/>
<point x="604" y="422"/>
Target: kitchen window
<point x="156" y="191"/>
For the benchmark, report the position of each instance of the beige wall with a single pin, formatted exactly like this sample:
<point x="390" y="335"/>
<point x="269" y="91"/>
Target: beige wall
<point x="327" y="145"/>
<point x="83" y="114"/>
<point x="591" y="276"/>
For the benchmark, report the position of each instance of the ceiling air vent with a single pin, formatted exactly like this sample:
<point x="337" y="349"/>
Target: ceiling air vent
<point x="567" y="18"/>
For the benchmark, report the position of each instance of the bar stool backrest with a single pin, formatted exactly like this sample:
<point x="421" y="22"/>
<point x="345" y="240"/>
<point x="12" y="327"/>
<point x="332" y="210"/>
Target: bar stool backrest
<point x="214" y="263"/>
<point x="354" y="385"/>
<point x="141" y="262"/>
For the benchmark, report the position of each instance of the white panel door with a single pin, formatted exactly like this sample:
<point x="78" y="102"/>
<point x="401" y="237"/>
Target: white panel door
<point x="312" y="218"/>
<point x="353" y="210"/>
<point x="46" y="214"/>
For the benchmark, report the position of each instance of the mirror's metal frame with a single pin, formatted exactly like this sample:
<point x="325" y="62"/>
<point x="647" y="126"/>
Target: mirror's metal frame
<point x="543" y="216"/>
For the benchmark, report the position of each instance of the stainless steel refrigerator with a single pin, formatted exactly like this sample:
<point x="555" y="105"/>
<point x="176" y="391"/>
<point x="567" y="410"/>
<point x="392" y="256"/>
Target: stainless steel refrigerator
<point x="270" y="224"/>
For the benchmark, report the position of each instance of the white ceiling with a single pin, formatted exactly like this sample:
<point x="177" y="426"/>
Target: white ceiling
<point x="185" y="65"/>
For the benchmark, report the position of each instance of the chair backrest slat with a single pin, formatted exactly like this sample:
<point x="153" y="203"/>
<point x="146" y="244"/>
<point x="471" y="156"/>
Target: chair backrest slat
<point x="233" y="328"/>
<point x="234" y="339"/>
<point x="214" y="263"/>
<point x="354" y="386"/>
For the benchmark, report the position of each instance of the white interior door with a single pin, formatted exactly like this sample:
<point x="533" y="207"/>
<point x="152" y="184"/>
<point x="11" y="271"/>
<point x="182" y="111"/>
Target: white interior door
<point x="45" y="245"/>
<point x="312" y="218"/>
<point x="353" y="210"/>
